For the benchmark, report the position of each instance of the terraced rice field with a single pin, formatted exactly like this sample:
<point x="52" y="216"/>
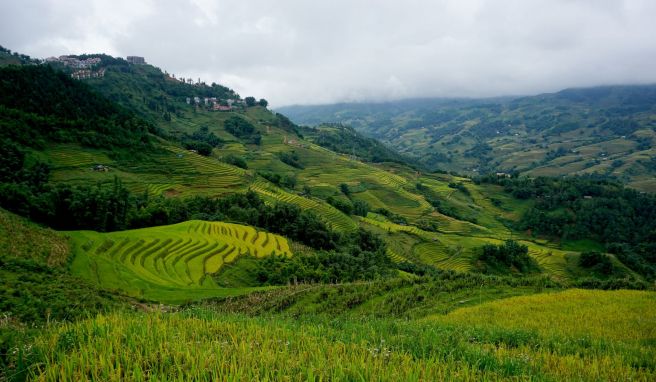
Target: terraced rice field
<point x="332" y="216"/>
<point x="447" y="224"/>
<point x="432" y="250"/>
<point x="431" y="253"/>
<point x="66" y="156"/>
<point x="395" y="256"/>
<point x="376" y="220"/>
<point x="183" y="256"/>
<point x="551" y="261"/>
<point x="171" y="170"/>
<point x="460" y="260"/>
<point x="191" y="173"/>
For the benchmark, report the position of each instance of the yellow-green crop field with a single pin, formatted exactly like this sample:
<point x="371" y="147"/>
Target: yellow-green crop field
<point x="332" y="216"/>
<point x="573" y="335"/>
<point x="170" y="263"/>
<point x="170" y="170"/>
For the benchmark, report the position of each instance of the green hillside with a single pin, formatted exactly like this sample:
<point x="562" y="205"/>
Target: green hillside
<point x="291" y="253"/>
<point x="426" y="219"/>
<point x="37" y="285"/>
<point x="607" y="131"/>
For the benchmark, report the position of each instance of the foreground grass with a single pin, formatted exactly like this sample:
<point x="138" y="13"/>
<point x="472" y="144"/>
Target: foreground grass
<point x="199" y="344"/>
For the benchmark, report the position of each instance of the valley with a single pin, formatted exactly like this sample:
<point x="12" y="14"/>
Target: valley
<point x="602" y="131"/>
<point x="152" y="230"/>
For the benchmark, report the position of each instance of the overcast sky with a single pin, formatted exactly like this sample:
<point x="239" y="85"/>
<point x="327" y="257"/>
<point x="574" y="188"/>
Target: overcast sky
<point x="320" y="51"/>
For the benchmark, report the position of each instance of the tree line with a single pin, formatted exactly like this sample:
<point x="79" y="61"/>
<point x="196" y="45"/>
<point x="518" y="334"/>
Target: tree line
<point x="39" y="104"/>
<point x="623" y="219"/>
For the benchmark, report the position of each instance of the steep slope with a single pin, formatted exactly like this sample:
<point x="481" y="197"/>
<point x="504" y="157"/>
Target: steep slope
<point x="36" y="282"/>
<point x="425" y="218"/>
<point x="606" y="130"/>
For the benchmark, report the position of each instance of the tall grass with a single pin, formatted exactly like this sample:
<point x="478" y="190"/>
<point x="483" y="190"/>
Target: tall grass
<point x="198" y="344"/>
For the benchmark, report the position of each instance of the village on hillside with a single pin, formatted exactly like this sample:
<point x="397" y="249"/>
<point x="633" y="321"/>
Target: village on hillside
<point x="88" y="68"/>
<point x="216" y="104"/>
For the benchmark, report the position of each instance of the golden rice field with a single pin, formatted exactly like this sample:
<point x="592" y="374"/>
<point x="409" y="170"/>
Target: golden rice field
<point x="159" y="262"/>
<point x="573" y="335"/>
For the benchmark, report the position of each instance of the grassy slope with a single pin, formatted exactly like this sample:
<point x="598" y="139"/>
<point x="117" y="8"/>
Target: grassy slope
<point x="34" y="272"/>
<point x="176" y="172"/>
<point x="410" y="298"/>
<point x="172" y="171"/>
<point x="173" y="263"/>
<point x="499" y="345"/>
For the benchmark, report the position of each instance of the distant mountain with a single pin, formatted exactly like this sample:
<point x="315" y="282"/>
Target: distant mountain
<point x="608" y="130"/>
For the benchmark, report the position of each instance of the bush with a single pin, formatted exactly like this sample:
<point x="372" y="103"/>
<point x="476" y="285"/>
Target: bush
<point x="291" y="159"/>
<point x="202" y="140"/>
<point x="503" y="257"/>
<point x="596" y="261"/>
<point x="236" y="161"/>
<point x="360" y="208"/>
<point x="270" y="176"/>
<point x="394" y="218"/>
<point x="343" y="205"/>
<point x="459" y="186"/>
<point x="288" y="181"/>
<point x="201" y="148"/>
<point x="243" y="129"/>
<point x="344" y="188"/>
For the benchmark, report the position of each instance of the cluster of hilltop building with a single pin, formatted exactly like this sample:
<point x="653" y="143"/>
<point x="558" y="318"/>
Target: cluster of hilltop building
<point x="74" y="62"/>
<point x="215" y="103"/>
<point x="85" y="66"/>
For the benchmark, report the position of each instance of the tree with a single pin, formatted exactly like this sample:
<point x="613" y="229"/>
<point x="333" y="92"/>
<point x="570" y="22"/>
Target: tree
<point x="360" y="208"/>
<point x="343" y="205"/>
<point x="288" y="181"/>
<point x="596" y="261"/>
<point x="250" y="101"/>
<point x="345" y="189"/>
<point x="504" y="256"/>
<point x="236" y="160"/>
<point x="263" y="102"/>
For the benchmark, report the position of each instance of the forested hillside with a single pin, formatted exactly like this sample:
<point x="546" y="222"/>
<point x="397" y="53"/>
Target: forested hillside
<point x="608" y="131"/>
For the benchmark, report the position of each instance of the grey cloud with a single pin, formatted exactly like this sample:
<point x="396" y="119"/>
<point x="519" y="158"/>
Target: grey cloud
<point x="296" y="51"/>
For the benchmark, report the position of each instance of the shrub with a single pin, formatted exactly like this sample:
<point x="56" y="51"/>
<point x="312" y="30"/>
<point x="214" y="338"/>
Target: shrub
<point x="596" y="261"/>
<point x="503" y="257"/>
<point x="343" y="205"/>
<point x="344" y="188"/>
<point x="360" y="208"/>
<point x="236" y="161"/>
<point x="243" y="129"/>
<point x="291" y="159"/>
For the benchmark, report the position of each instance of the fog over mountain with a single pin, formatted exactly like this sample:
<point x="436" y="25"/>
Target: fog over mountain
<point x="295" y="51"/>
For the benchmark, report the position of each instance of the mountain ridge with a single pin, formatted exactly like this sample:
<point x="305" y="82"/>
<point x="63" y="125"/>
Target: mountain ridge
<point x="573" y="131"/>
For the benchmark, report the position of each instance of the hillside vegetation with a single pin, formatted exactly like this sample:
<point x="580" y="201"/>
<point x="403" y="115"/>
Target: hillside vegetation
<point x="294" y="253"/>
<point x="608" y="131"/>
<point x="425" y="219"/>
